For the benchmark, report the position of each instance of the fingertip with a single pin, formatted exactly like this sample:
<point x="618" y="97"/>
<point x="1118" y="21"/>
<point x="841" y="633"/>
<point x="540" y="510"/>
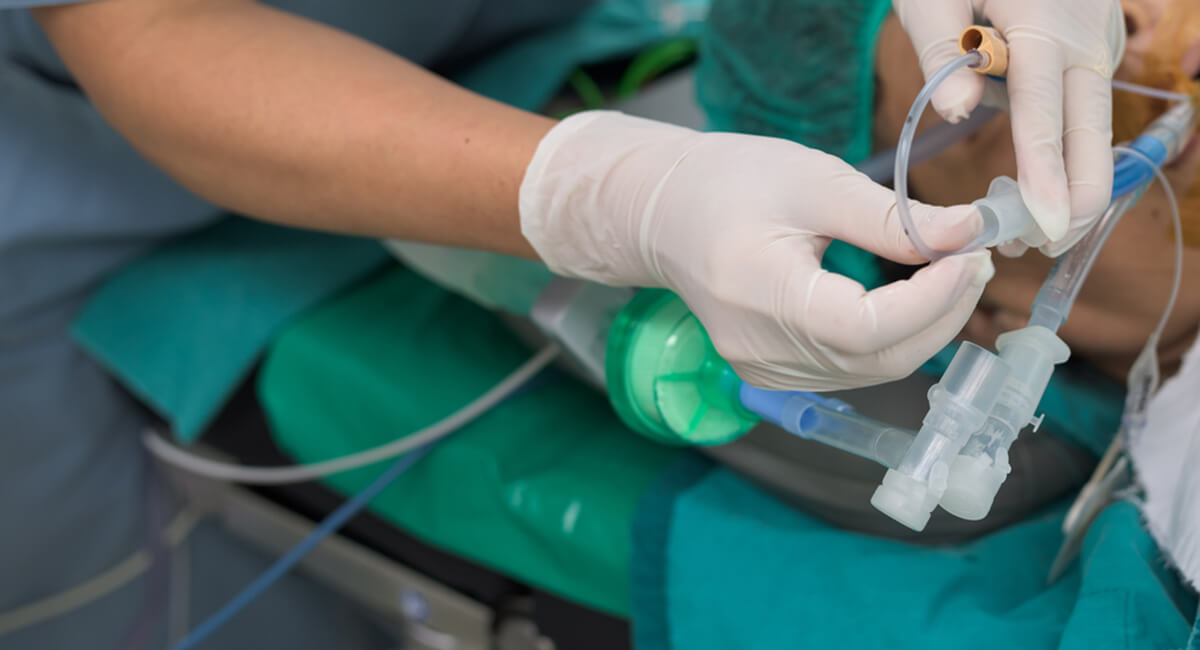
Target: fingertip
<point x="946" y="279"/>
<point x="1055" y="249"/>
<point x="966" y="272"/>
<point x="958" y="96"/>
<point x="950" y="318"/>
<point x="963" y="225"/>
<point x="983" y="268"/>
<point x="1090" y="195"/>
<point x="958" y="276"/>
<point x="977" y="271"/>
<point x="947" y="229"/>
<point x="1012" y="249"/>
<point x="874" y="224"/>
<point x="1048" y="202"/>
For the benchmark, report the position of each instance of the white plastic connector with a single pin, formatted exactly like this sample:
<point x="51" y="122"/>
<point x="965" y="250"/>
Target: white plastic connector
<point x="959" y="405"/>
<point x="972" y="486"/>
<point x="978" y="472"/>
<point x="905" y="499"/>
<point x="1005" y="217"/>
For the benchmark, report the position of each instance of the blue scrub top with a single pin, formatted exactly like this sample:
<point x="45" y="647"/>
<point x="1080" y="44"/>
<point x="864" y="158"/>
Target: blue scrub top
<point x="77" y="202"/>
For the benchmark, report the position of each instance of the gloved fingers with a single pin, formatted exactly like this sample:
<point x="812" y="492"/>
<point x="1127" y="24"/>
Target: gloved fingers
<point x="1014" y="248"/>
<point x="903" y="358"/>
<point x="840" y="315"/>
<point x="1035" y="91"/>
<point x="771" y="376"/>
<point x="1078" y="229"/>
<point x="864" y="214"/>
<point x="1087" y="150"/>
<point x="934" y="29"/>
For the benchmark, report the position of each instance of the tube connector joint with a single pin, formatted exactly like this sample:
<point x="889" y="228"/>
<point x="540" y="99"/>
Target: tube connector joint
<point x="1005" y="216"/>
<point x="991" y="44"/>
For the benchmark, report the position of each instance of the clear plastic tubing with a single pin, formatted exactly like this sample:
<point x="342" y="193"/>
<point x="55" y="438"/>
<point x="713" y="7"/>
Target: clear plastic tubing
<point x="1057" y="295"/>
<point x="881" y="167"/>
<point x="974" y="58"/>
<point x="1062" y="285"/>
<point x="1143" y="377"/>
<point x="1156" y="93"/>
<point x="829" y="421"/>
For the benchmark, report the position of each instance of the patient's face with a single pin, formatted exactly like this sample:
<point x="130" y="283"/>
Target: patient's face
<point x="1128" y="288"/>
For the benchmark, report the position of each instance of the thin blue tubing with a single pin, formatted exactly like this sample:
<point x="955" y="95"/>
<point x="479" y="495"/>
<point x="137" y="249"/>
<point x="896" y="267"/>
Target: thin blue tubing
<point x="334" y="521"/>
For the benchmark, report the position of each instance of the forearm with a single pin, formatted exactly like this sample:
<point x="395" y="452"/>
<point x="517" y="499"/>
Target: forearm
<point x="287" y="120"/>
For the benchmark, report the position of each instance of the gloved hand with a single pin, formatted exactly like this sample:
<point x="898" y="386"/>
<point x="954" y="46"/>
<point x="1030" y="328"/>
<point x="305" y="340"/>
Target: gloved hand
<point x="1062" y="54"/>
<point x="736" y="225"/>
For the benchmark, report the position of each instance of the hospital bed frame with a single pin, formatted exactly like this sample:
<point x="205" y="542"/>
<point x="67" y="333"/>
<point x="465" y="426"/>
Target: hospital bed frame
<point x="424" y="598"/>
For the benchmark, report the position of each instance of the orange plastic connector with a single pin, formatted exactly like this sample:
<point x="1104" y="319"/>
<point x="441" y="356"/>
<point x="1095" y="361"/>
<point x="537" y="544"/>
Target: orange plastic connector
<point x="989" y="42"/>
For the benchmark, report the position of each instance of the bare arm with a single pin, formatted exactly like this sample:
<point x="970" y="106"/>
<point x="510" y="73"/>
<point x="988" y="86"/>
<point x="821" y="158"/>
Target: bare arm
<point x="287" y="120"/>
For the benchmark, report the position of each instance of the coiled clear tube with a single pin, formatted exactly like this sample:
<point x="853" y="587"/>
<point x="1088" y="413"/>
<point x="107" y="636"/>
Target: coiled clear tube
<point x="974" y="58"/>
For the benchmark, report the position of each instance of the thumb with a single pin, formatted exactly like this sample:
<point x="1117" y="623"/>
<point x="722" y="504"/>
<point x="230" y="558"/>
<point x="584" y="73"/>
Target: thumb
<point x="934" y="27"/>
<point x="858" y="211"/>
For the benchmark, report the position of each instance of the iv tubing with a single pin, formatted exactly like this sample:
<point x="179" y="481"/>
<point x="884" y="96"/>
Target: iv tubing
<point x="1156" y="93"/>
<point x="196" y="464"/>
<point x="1177" y="223"/>
<point x="327" y="527"/>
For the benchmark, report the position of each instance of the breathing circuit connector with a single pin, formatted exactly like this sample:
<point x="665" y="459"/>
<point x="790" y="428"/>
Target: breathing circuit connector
<point x="667" y="382"/>
<point x="959" y="405"/>
<point x="979" y="469"/>
<point x="1005" y="216"/>
<point x="991" y="44"/>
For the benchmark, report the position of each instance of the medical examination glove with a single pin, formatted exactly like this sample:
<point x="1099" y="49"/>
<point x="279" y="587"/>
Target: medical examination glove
<point x="1062" y="54"/>
<point x="736" y="225"/>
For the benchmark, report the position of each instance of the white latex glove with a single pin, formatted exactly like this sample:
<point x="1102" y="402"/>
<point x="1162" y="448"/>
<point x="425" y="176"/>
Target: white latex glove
<point x="1062" y="54"/>
<point x="736" y="225"/>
